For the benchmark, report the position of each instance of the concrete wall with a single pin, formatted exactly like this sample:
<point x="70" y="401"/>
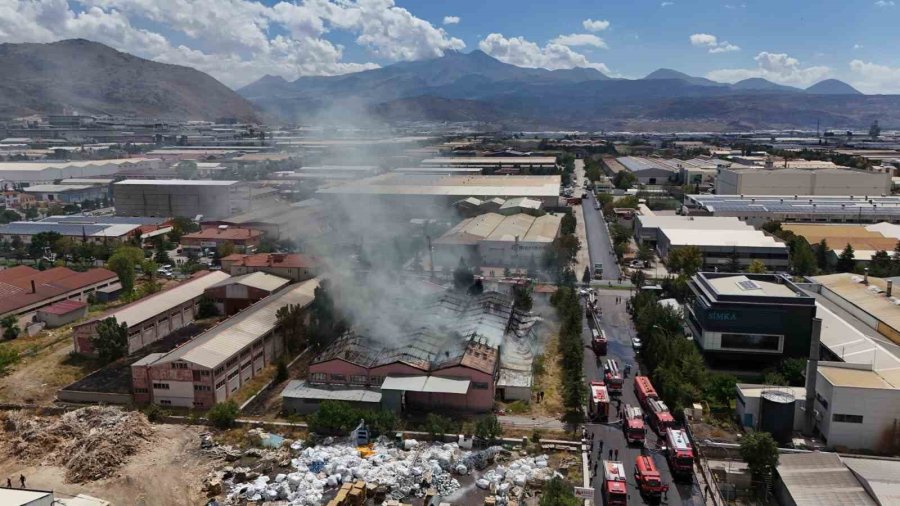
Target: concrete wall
<point x="805" y="182"/>
<point x="879" y="407"/>
<point x="54" y="320"/>
<point x="170" y="200"/>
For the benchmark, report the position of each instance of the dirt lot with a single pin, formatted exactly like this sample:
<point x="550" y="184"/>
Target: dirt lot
<point x="170" y="472"/>
<point x="35" y="379"/>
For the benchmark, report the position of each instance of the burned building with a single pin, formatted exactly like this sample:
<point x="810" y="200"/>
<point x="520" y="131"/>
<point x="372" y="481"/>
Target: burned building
<point x="450" y="355"/>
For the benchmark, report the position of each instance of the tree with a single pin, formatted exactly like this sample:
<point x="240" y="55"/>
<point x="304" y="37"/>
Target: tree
<point x="687" y="260"/>
<point x="186" y="169"/>
<point x="638" y="278"/>
<point x="803" y="261"/>
<point x="880" y="264"/>
<point x="224" y="249"/>
<point x="281" y="371"/>
<point x="110" y="340"/>
<point x="488" y="427"/>
<point x="760" y="452"/>
<point x="644" y="253"/>
<point x="437" y="426"/>
<point x="224" y="414"/>
<point x="624" y="180"/>
<point x="293" y="326"/>
<point x="557" y="492"/>
<point x="41" y="243"/>
<point x="123" y="266"/>
<point x="846" y="261"/>
<point x="522" y="297"/>
<point x="568" y="224"/>
<point x="586" y="276"/>
<point x="206" y="307"/>
<point x="477" y="287"/>
<point x="7" y="216"/>
<point x="8" y="357"/>
<point x="31" y="213"/>
<point x="10" y="326"/>
<point x="793" y="370"/>
<point x="161" y="256"/>
<point x="757" y="267"/>
<point x="720" y="388"/>
<point x="821" y="251"/>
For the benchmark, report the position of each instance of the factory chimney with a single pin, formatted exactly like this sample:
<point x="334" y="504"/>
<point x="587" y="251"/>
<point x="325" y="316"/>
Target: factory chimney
<point x="865" y="275"/>
<point x="811" y="367"/>
<point x="890" y="288"/>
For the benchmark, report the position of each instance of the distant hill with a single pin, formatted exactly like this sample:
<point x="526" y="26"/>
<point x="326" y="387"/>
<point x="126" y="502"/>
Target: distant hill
<point x="760" y="84"/>
<point x="91" y="78"/>
<point x="832" y="87"/>
<point x="674" y="74"/>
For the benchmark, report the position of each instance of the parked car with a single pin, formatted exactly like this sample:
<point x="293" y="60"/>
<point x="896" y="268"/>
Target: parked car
<point x="636" y="343"/>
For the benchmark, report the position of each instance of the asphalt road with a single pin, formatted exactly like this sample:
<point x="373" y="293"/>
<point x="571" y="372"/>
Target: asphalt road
<point x="619" y="330"/>
<point x="599" y="243"/>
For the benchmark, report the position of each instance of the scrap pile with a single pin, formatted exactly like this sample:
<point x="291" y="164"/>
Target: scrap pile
<point x="403" y="472"/>
<point x="90" y="443"/>
<point x="510" y="481"/>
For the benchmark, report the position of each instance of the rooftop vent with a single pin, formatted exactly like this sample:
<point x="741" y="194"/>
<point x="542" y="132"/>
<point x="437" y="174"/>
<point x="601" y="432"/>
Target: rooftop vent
<point x="748" y="285"/>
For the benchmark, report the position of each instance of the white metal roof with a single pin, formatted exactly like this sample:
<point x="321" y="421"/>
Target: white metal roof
<point x="820" y="479"/>
<point x="16" y="497"/>
<point x="432" y="384"/>
<point x="175" y="182"/>
<point x="216" y="345"/>
<point x="297" y="389"/>
<point x="164" y="301"/>
<point x="260" y="280"/>
<point x="744" y="238"/>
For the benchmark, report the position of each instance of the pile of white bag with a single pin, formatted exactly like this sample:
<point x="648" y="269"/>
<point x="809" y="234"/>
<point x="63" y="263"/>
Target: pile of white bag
<point x="516" y="475"/>
<point x="326" y="467"/>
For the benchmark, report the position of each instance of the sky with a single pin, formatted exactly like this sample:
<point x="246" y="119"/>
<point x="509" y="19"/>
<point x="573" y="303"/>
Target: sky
<point x="793" y="42"/>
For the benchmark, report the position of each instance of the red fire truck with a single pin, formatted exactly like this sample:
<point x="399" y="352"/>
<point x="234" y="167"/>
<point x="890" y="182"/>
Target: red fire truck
<point x="615" y="488"/>
<point x="660" y="417"/>
<point x="613" y="377"/>
<point x="647" y="477"/>
<point x="644" y="391"/>
<point x="598" y="341"/>
<point x="598" y="404"/>
<point x="679" y="452"/>
<point x="633" y="424"/>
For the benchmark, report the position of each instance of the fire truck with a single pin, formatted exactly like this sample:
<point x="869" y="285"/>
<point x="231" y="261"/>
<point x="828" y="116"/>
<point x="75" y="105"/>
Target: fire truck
<point x="598" y="404"/>
<point x="598" y="341"/>
<point x="615" y="488"/>
<point x="679" y="452"/>
<point x="660" y="417"/>
<point x="633" y="424"/>
<point x="613" y="377"/>
<point x="644" y="391"/>
<point x="647" y="477"/>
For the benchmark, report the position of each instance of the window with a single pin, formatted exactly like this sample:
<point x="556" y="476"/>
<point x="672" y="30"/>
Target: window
<point x="751" y="342"/>
<point x="161" y="386"/>
<point x="202" y="388"/>
<point x="837" y="417"/>
<point x="376" y="380"/>
<point x="318" y="377"/>
<point x="233" y="374"/>
<point x="204" y="373"/>
<point x="165" y="402"/>
<point x="358" y="380"/>
<point x="179" y="365"/>
<point x="220" y="384"/>
<point x="479" y="386"/>
<point x="141" y="391"/>
<point x="339" y="377"/>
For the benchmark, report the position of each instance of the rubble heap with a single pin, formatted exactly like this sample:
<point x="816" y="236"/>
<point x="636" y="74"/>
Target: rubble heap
<point x="511" y="480"/>
<point x="90" y="443"/>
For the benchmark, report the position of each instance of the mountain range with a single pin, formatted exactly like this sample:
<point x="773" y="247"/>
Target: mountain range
<point x="476" y="87"/>
<point x="90" y="78"/>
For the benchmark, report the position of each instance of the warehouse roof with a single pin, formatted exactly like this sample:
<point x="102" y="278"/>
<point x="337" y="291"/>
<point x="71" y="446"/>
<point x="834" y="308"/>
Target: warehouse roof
<point x="42" y="165"/>
<point x="512" y="228"/>
<point x="491" y="160"/>
<point x="297" y="389"/>
<point x="160" y="302"/>
<point x="63" y="307"/>
<point x="16" y="291"/>
<point x="259" y="280"/>
<point x="820" y="479"/>
<point x="867" y="206"/>
<point x="471" y="230"/>
<point x="218" y="344"/>
<point x="742" y="285"/>
<point x="284" y="260"/>
<point x="692" y="222"/>
<point x="175" y="182"/>
<point x="88" y="180"/>
<point x="56" y="188"/>
<point x="459" y="186"/>
<point x="544" y="229"/>
<point x="851" y="345"/>
<point x="854" y="376"/>
<point x="223" y="234"/>
<point x="496" y="227"/>
<point x="744" y="238"/>
<point x="870" y="297"/>
<point x="429" y="384"/>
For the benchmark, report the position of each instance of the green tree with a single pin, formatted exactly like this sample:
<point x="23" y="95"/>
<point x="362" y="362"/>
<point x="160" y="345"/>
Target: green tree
<point x="281" y="371"/>
<point x="757" y="267"/>
<point x="31" y="213"/>
<point x="760" y="452"/>
<point x="110" y="340"/>
<point x="206" y="307"/>
<point x="225" y="249"/>
<point x="586" y="276"/>
<point x="720" y="388"/>
<point x="293" y="326"/>
<point x="186" y="169"/>
<point x="880" y="264"/>
<point x="822" y="255"/>
<point x="793" y="370"/>
<point x="644" y="253"/>
<point x="846" y="260"/>
<point x="437" y="426"/>
<point x="557" y="492"/>
<point x="333" y="418"/>
<point x="488" y="427"/>
<point x="624" y="180"/>
<point x="803" y="261"/>
<point x="8" y="358"/>
<point x="224" y="414"/>
<point x="123" y="266"/>
<point x="10" y="326"/>
<point x="686" y="261"/>
<point x="41" y="243"/>
<point x="7" y="216"/>
<point x="568" y="224"/>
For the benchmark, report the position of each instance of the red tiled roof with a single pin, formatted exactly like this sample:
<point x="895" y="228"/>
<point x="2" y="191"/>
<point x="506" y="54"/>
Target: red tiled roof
<point x="285" y="260"/>
<point x="15" y="284"/>
<point x="63" y="307"/>
<point x="228" y="234"/>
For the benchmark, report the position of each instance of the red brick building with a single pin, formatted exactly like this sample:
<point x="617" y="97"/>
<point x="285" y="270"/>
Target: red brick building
<point x="213" y="237"/>
<point x="238" y="292"/>
<point x="293" y="266"/>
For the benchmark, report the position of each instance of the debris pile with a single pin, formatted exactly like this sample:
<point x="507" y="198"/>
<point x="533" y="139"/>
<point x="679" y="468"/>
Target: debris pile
<point x="90" y="443"/>
<point x="512" y="479"/>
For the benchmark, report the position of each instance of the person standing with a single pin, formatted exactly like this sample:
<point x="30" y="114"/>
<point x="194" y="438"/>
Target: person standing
<point x="8" y="482"/>
<point x="22" y="479"/>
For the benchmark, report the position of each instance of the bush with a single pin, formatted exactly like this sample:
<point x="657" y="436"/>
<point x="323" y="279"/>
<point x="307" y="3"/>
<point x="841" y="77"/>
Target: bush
<point x="223" y="414"/>
<point x="488" y="427"/>
<point x="281" y="371"/>
<point x="437" y="426"/>
<point x="8" y="357"/>
<point x="339" y="418"/>
<point x="155" y="413"/>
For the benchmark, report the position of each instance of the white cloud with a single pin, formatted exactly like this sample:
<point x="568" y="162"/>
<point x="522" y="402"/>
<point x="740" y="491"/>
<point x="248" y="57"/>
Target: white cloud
<point x="592" y="25"/>
<point x="857" y="46"/>
<point x="712" y="43"/>
<point x="666" y="4"/>
<point x="524" y="53"/>
<point x="776" y="67"/>
<point x="885" y="3"/>
<point x="579" y="39"/>
<point x="237" y="41"/>
<point x="870" y="77"/>
<point x="451" y="20"/>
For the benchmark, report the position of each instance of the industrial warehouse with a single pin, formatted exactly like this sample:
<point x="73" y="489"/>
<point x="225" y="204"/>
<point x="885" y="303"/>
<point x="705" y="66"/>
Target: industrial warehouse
<point x="491" y="239"/>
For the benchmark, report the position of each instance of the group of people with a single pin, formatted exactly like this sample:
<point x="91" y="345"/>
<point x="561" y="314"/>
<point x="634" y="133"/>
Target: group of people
<point x="21" y="480"/>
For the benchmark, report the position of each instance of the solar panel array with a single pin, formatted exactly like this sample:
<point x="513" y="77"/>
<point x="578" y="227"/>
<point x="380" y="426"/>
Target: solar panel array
<point x="862" y="206"/>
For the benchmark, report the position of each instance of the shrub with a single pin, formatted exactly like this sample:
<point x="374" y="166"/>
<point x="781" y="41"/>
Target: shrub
<point x="223" y="414"/>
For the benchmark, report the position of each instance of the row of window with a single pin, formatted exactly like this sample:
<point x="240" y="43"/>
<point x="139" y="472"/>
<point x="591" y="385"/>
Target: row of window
<point x="321" y="377"/>
<point x="838" y="417"/>
<point x="161" y="386"/>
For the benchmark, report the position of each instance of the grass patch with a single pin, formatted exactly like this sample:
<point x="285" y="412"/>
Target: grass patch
<point x="250" y="388"/>
<point x="547" y="376"/>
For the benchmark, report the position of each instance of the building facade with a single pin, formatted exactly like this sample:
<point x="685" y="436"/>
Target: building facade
<point x="178" y="197"/>
<point x="749" y="318"/>
<point x="293" y="266"/>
